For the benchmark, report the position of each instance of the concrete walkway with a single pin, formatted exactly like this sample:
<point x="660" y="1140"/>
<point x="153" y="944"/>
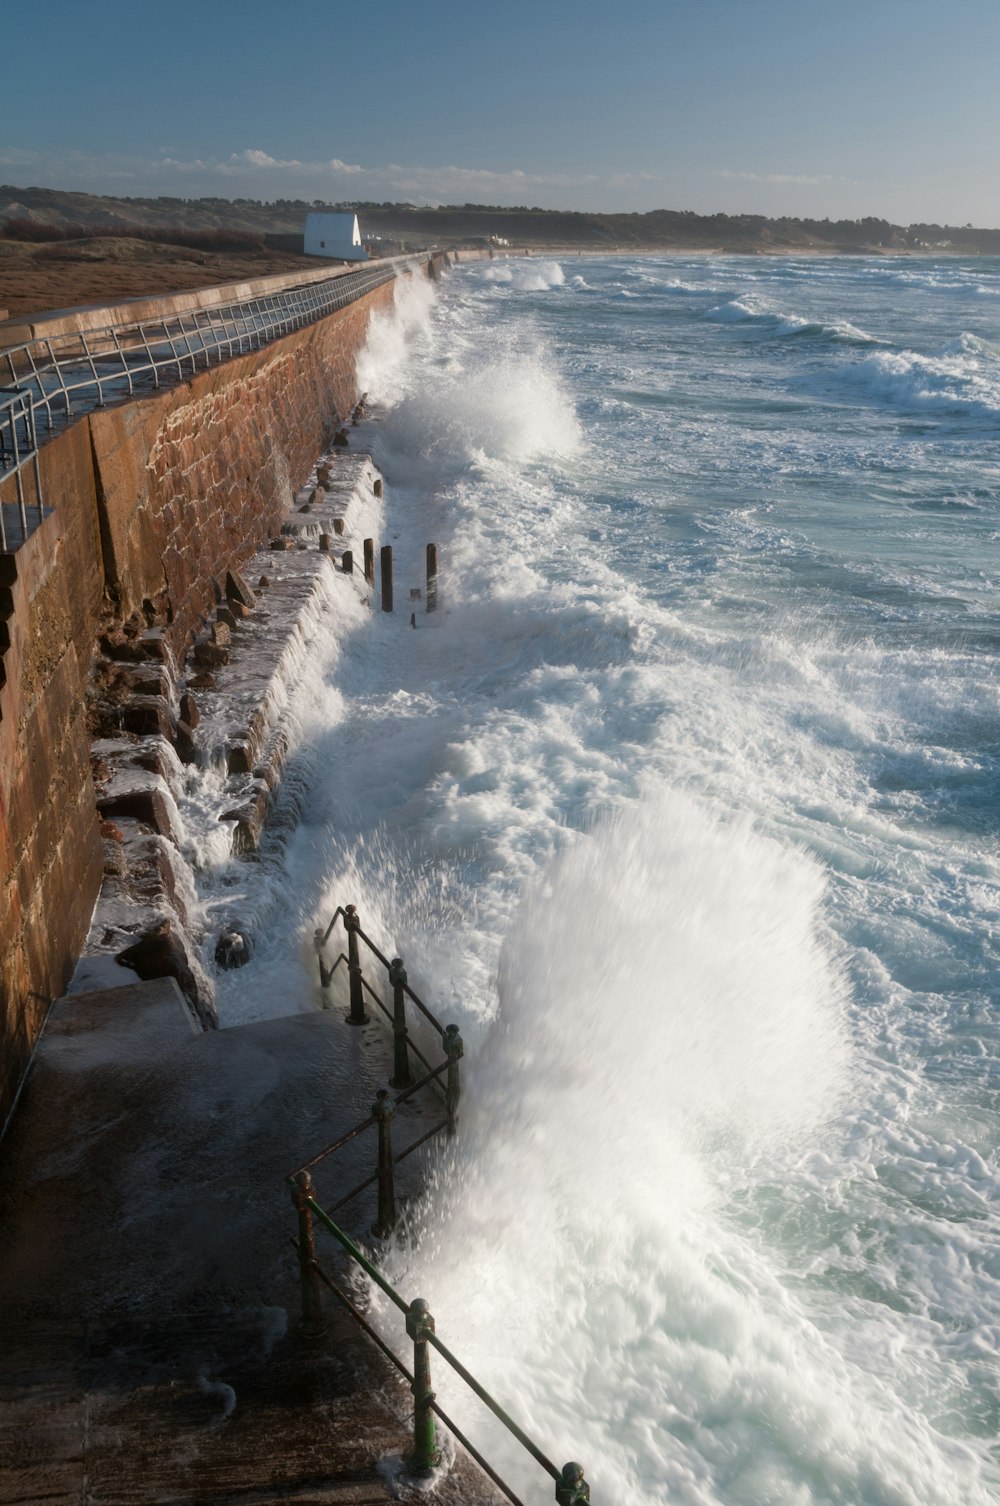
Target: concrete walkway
<point x="148" y="1288"/>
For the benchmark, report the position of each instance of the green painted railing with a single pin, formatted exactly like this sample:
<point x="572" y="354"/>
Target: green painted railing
<point x="570" y="1485"/>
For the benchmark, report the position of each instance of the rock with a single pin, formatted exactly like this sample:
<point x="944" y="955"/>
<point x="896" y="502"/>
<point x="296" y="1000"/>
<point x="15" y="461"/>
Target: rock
<point x="238" y="590"/>
<point x="211" y="654"/>
<point x="153" y="645"/>
<point x="148" y="716"/>
<point x="115" y="862"/>
<point x="111" y="833"/>
<point x="184" y="743"/>
<point x="322" y="474"/>
<point x="115" y="645"/>
<point x="153" y="757"/>
<point x="306" y="507"/>
<point x="161" y="953"/>
<point x="220" y="633"/>
<point x="263" y="583"/>
<point x="147" y="805"/>
<point x="249" y="819"/>
<point x="282" y="543"/>
<point x="341" y="440"/>
<point x="225" y="615"/>
<point x="239" y="611"/>
<point x="239" y="757"/>
<point x="202" y="681"/>
<point x="189" y="710"/>
<point x="233" y="949"/>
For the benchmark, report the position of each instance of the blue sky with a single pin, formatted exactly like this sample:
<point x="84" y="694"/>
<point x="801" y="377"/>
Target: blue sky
<point x="817" y="107"/>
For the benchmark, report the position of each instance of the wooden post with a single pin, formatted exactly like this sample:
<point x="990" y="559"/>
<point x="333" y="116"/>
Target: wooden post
<point x="370" y="561"/>
<point x="338" y="527"/>
<point x="432" y="577"/>
<point x="347" y="562"/>
<point x="387" y="577"/>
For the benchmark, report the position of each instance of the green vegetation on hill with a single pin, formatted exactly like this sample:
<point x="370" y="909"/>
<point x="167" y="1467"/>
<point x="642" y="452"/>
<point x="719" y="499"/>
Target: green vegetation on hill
<point x="41" y="213"/>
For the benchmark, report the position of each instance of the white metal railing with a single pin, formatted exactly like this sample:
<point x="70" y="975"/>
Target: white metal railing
<point x="52" y="379"/>
<point x="18" y="458"/>
<point x="72" y="373"/>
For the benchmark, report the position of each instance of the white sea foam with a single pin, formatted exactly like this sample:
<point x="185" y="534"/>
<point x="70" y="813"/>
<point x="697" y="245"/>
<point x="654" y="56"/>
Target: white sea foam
<point x="964" y="377"/>
<point x="683" y="807"/>
<point x="527" y="276"/>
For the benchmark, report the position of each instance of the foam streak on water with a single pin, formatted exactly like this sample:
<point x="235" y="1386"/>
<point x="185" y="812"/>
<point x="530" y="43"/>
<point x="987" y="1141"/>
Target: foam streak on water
<point x="685" y="807"/>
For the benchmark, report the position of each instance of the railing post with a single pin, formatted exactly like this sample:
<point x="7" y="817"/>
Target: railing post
<point x="454" y="1051"/>
<point x="432" y="577"/>
<point x="352" y="925"/>
<point x="572" y="1488"/>
<point x="325" y="973"/>
<point x="313" y="1322"/>
<point x="425" y="1456"/>
<point x="384" y="1111"/>
<point x="400" y="1056"/>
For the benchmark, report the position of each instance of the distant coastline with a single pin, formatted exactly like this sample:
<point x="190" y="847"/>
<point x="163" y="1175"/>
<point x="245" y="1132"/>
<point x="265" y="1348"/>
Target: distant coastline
<point x="278" y="225"/>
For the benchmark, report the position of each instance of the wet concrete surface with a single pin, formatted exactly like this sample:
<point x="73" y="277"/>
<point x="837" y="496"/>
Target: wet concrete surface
<point x="149" y="1349"/>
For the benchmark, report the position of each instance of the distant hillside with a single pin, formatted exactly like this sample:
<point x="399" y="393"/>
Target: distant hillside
<point x="521" y="226"/>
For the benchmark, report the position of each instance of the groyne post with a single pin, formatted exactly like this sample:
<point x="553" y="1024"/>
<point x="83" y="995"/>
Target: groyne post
<point x="313" y="1322"/>
<point x="352" y="925"/>
<point x="384" y="1111"/>
<point x="400" y="1056"/>
<point x="369" y="547"/>
<point x="347" y="562"/>
<point x="454" y="1051"/>
<point x="386" y="577"/>
<point x="425" y="1456"/>
<point x="432" y="577"/>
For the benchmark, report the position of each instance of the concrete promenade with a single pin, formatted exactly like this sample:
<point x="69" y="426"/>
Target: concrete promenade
<point x="148" y="1288"/>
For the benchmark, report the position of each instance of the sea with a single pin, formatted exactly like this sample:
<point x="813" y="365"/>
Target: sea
<point x="684" y="807"/>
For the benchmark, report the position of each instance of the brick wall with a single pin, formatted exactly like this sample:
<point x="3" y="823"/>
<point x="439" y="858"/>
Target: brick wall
<point x="154" y="500"/>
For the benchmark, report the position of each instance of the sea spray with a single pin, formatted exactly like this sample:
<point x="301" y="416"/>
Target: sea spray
<point x="714" y="649"/>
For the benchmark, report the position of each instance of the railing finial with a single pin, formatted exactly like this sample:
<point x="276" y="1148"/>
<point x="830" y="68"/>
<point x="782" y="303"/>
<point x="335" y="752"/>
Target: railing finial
<point x="572" y="1487"/>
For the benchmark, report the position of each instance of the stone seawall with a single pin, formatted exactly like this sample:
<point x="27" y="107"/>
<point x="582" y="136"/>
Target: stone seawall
<point x="153" y="501"/>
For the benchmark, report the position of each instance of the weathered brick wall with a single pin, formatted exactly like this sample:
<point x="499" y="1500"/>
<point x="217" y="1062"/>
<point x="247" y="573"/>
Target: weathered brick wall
<point x="191" y="480"/>
<point x="50" y="854"/>
<point x="154" y="500"/>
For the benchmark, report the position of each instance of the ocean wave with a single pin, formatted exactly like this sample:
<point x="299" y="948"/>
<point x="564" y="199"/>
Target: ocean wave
<point x="526" y="276"/>
<point x="747" y="310"/>
<point x="963" y="378"/>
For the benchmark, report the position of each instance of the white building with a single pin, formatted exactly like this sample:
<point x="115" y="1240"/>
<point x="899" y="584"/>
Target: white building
<point x="335" y="235"/>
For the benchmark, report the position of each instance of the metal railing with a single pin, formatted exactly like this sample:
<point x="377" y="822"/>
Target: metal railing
<point x="570" y="1486"/>
<point x="69" y="374"/>
<point x="18" y="456"/>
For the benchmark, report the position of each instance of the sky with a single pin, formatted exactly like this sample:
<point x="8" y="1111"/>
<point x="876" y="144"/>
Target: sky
<point x="838" y="108"/>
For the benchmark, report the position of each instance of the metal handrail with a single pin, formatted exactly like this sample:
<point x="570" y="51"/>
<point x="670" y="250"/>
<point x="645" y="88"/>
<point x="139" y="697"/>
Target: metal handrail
<point x="322" y="937"/>
<point x="365" y="1124"/>
<point x="68" y="374"/>
<point x="571" y="1487"/>
<point x="570" y="1484"/>
<point x="18" y="452"/>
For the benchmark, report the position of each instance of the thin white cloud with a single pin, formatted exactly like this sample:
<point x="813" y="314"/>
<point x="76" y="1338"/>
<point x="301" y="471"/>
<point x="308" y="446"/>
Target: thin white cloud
<point x="807" y="178"/>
